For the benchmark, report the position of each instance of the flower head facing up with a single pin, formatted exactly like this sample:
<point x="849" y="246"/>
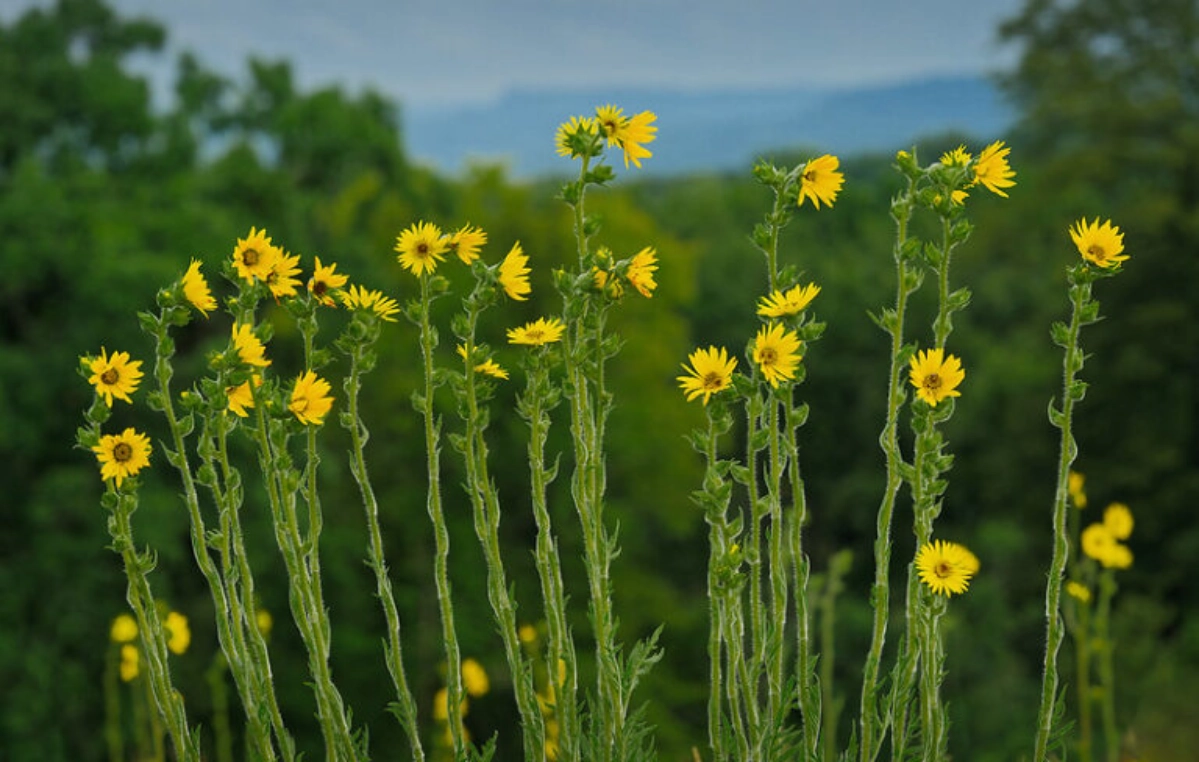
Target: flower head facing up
<point x="358" y="298"/>
<point x="488" y="367"/>
<point x="249" y="348"/>
<point x="474" y="678"/>
<point x="115" y="375"/>
<point x="711" y="371"/>
<point x="310" y="400"/>
<point x="124" y="629"/>
<point x="241" y="398"/>
<point x="790" y="302"/>
<point x="254" y="256"/>
<point x="776" y="351"/>
<point x="641" y="271"/>
<point x="612" y="121"/>
<point x="992" y="169"/>
<point x="1078" y="493"/>
<point x="537" y="333"/>
<point x="282" y="280"/>
<point x="946" y="567"/>
<point x="466" y="242"/>
<point x="958" y="157"/>
<point x="179" y="634"/>
<point x="1099" y="543"/>
<point x="324" y="282"/>
<point x="514" y="275"/>
<point x="1118" y="520"/>
<point x="122" y="455"/>
<point x="820" y="181"/>
<point x="195" y="289"/>
<point x="936" y="375"/>
<point x="1078" y="591"/>
<point x="574" y="136"/>
<point x="1101" y="245"/>
<point x="421" y="247"/>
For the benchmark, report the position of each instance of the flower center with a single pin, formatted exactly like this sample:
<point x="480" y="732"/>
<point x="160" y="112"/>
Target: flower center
<point x="110" y="376"/>
<point x="299" y="405"/>
<point x="768" y="357"/>
<point x="536" y="336"/>
<point x="943" y="569"/>
<point x="422" y="250"/>
<point x="122" y="452"/>
<point x="1096" y="251"/>
<point x="319" y="287"/>
<point x="809" y="176"/>
<point x="249" y="257"/>
<point x="932" y="382"/>
<point x="713" y="381"/>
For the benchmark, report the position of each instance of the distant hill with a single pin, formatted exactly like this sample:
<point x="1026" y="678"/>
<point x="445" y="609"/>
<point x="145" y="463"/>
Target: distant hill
<point x="711" y="130"/>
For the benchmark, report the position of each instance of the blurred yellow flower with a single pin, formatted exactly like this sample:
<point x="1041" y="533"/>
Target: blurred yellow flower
<point x="790" y="302"/>
<point x="641" y="271"/>
<point x="474" y="678"/>
<point x="1078" y="591"/>
<point x="241" y="397"/>
<point x="634" y="135"/>
<point x="466" y="242"/>
<point x="992" y="169"/>
<point x="958" y="157"/>
<point x="488" y="367"/>
<point x="527" y="634"/>
<point x="264" y="621"/>
<point x="179" y="634"/>
<point x="195" y="289"/>
<point x="124" y="629"/>
<point x="1118" y="520"/>
<point x="129" y="662"/>
<point x="1076" y="487"/>
<point x="537" y="333"/>
<point x="572" y="136"/>
<point x="514" y="275"/>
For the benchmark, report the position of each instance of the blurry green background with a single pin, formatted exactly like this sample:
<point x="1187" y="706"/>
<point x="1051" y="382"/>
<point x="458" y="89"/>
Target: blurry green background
<point x="103" y="199"/>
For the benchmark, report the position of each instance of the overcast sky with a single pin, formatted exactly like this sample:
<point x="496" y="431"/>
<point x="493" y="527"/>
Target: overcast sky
<point x="435" y="52"/>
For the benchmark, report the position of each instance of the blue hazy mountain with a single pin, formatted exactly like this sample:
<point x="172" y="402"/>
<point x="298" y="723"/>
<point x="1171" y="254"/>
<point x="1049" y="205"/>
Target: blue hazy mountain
<point x="712" y="130"/>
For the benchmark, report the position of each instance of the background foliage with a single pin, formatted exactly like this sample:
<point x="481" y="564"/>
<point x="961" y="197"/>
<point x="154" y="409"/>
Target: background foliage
<point x="103" y="199"/>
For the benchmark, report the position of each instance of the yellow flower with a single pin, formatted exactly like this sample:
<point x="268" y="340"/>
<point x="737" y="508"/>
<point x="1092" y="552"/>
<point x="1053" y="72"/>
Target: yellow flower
<point x="122" y="455"/>
<point x="1078" y="591"/>
<point x="358" y="298"/>
<point x="1098" y="244"/>
<point x="641" y="271"/>
<point x="281" y="279"/>
<point x="946" y="567"/>
<point x="1077" y="494"/>
<point x="527" y="634"/>
<point x="195" y="289"/>
<point x="711" y="371"/>
<point x="992" y="169"/>
<point x="264" y="621"/>
<point x="612" y="121"/>
<point x="568" y="139"/>
<point x="249" y="348"/>
<point x="466" y="242"/>
<point x="958" y="157"/>
<point x="776" y="351"/>
<point x="441" y="702"/>
<point x="474" y="678"/>
<point x="1118" y="520"/>
<point x="421" y="247"/>
<point x="254" y="255"/>
<point x="324" y="280"/>
<point x="129" y="660"/>
<point x="513" y="274"/>
<point x="936" y="375"/>
<point x="179" y="634"/>
<point x="1118" y="557"/>
<point x="820" y="181"/>
<point x="124" y="629"/>
<point x="791" y="302"/>
<point x="537" y="333"/>
<point x="241" y="398"/>
<point x="310" y="400"/>
<point x="1097" y="541"/>
<point x="115" y="375"/>
<point x="487" y="367"/>
<point x="634" y="135"/>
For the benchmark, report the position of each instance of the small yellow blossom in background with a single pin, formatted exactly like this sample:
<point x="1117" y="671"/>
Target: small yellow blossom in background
<point x="1098" y="244"/>
<point x="776" y="351"/>
<point x="441" y="703"/>
<point x="789" y="302"/>
<point x="420" y="248"/>
<point x="358" y="298"/>
<point x="115" y="375"/>
<point x="195" y="289"/>
<point x="641" y="271"/>
<point x="282" y="280"/>
<point x="129" y="662"/>
<point x="324" y="281"/>
<point x="122" y="455"/>
<point x="254" y="256"/>
<point x="248" y="347"/>
<point x="711" y="371"/>
<point x="514" y="275"/>
<point x="1078" y="494"/>
<point x="1078" y="591"/>
<point x="466" y="242"/>
<point x="1118" y="520"/>
<point x="936" y="375"/>
<point x="1118" y="557"/>
<point x="527" y="634"/>
<point x="992" y="169"/>
<point x="958" y="157"/>
<point x="241" y="398"/>
<point x="946" y="567"/>
<point x="537" y="333"/>
<point x="264" y="621"/>
<point x="820" y="181"/>
<point x="310" y="400"/>
<point x="124" y="629"/>
<point x="474" y="678"/>
<point x="179" y="634"/>
<point x="636" y="133"/>
<point x="567" y="138"/>
<point x="1099" y="543"/>
<point x="488" y="367"/>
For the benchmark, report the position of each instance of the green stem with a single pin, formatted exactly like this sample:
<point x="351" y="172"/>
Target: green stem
<point x="778" y="569"/>
<point x="1107" y="679"/>
<point x="1082" y="660"/>
<point x="114" y="735"/>
<point x="222" y="733"/>
<point x="811" y="700"/>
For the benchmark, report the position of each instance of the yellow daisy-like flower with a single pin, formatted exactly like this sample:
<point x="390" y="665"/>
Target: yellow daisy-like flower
<point x="1099" y="543"/>
<point x="195" y="289"/>
<point x="992" y="169"/>
<point x="612" y="121"/>
<point x="474" y="678"/>
<point x="567" y="139"/>
<point x="358" y="298"/>
<point x="635" y="133"/>
<point x="820" y="181"/>
<point x="1078" y="494"/>
<point x="264" y="621"/>
<point x="124" y="629"/>
<point x="129" y="662"/>
<point x="958" y="157"/>
<point x="488" y="367"/>
<point x="122" y="455"/>
<point x="513" y="274"/>
<point x="466" y="242"/>
<point x="1118" y="520"/>
<point x="789" y="302"/>
<point x="241" y="397"/>
<point x="776" y="351"/>
<point x="641" y="271"/>
<point x="537" y="333"/>
<point x="1118" y="557"/>
<point x="324" y="281"/>
<point x="946" y="567"/>
<point x="421" y="247"/>
<point x="282" y="280"/>
<point x="249" y="348"/>
<point x="936" y="375"/>
<point x="254" y="255"/>
<point x="527" y="634"/>
<point x="1078" y="591"/>
<point x="1098" y="244"/>
<point x="310" y="400"/>
<point x="711" y="371"/>
<point x="115" y="375"/>
<point x="179" y="634"/>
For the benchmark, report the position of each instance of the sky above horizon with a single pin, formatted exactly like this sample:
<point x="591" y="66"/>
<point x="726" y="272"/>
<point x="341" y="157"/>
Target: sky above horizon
<point x="431" y="53"/>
